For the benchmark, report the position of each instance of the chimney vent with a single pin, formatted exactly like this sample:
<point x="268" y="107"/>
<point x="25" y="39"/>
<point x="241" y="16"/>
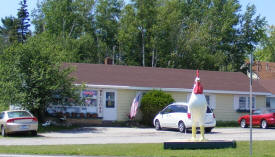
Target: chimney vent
<point x="108" y="60"/>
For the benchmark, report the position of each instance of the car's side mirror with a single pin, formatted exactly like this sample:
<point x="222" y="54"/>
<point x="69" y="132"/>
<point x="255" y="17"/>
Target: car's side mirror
<point x="161" y="112"/>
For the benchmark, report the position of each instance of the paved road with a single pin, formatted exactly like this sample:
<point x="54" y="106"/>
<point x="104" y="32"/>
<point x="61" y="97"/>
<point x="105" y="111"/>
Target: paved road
<point x="105" y="135"/>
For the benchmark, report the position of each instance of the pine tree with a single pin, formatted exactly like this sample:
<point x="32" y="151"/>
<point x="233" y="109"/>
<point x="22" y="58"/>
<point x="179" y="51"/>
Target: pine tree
<point x="23" y="16"/>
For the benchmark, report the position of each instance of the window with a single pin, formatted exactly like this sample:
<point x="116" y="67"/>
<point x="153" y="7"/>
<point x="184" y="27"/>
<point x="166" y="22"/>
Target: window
<point x="180" y="108"/>
<point x="268" y="102"/>
<point x="18" y="114"/>
<point x="207" y="97"/>
<point x="168" y="109"/>
<point x="2" y="115"/>
<point x="90" y="97"/>
<point x="110" y="100"/>
<point x="241" y="103"/>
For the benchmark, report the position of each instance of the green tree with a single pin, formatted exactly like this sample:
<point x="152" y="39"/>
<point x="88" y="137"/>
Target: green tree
<point x="127" y="37"/>
<point x="107" y="17"/>
<point x="32" y="74"/>
<point x="9" y="30"/>
<point x="266" y="51"/>
<point x="23" y="17"/>
<point x="64" y="17"/>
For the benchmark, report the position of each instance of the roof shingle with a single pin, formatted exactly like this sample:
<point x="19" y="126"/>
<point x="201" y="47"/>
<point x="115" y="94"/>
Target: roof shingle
<point x="119" y="75"/>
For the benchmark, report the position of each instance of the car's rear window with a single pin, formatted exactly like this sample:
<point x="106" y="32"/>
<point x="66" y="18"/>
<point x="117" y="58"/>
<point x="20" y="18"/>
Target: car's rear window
<point x="18" y="114"/>
<point x="180" y="108"/>
<point x="208" y="110"/>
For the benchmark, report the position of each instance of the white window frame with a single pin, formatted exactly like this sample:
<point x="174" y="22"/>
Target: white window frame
<point x="247" y="99"/>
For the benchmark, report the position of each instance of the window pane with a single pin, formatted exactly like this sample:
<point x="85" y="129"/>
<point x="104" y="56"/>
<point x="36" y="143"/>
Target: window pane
<point x="90" y="97"/>
<point x="18" y="114"/>
<point x="110" y="99"/>
<point x="267" y="102"/>
<point x="242" y="103"/>
<point x="253" y="102"/>
<point x="181" y="108"/>
<point x="207" y="97"/>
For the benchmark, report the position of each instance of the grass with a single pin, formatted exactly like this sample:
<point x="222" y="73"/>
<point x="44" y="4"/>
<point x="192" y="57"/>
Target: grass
<point x="260" y="149"/>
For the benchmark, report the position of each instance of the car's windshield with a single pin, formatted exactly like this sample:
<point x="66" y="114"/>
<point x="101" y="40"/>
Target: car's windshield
<point x="18" y="114"/>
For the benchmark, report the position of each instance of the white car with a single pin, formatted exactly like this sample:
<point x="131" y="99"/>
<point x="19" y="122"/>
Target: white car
<point x="177" y="115"/>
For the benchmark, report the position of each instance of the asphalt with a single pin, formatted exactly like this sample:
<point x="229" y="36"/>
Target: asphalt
<point x="113" y="135"/>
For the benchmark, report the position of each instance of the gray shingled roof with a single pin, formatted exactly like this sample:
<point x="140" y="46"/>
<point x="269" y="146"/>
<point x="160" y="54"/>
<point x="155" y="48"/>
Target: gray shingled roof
<point x="118" y="75"/>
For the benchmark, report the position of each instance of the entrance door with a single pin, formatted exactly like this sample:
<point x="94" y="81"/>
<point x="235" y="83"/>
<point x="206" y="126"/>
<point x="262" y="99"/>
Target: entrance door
<point x="110" y="106"/>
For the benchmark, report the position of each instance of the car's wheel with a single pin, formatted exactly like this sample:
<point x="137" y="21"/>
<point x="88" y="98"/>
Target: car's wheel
<point x="264" y="124"/>
<point x="157" y="125"/>
<point x="34" y="133"/>
<point x="3" y="131"/>
<point x="181" y="126"/>
<point x="243" y="123"/>
<point x="208" y="130"/>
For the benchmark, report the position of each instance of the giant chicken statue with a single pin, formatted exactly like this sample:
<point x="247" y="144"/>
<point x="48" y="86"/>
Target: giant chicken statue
<point x="197" y="104"/>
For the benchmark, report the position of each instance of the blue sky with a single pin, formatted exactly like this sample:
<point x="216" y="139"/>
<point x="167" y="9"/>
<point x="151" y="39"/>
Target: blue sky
<point x="264" y="7"/>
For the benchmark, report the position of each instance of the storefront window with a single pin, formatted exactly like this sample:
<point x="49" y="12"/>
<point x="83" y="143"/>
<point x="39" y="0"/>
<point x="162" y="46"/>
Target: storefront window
<point x="90" y="97"/>
<point x="110" y="99"/>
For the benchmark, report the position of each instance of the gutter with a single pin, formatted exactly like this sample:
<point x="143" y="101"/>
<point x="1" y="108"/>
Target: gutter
<point x="174" y="89"/>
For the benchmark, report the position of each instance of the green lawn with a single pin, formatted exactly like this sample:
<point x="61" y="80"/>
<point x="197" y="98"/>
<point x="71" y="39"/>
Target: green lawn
<point x="260" y="149"/>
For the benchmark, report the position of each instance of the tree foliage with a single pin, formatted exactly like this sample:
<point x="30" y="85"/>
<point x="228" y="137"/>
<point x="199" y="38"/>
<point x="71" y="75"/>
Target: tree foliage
<point x="23" y="17"/>
<point x="9" y="30"/>
<point x="266" y="51"/>
<point x="32" y="75"/>
<point x="195" y="34"/>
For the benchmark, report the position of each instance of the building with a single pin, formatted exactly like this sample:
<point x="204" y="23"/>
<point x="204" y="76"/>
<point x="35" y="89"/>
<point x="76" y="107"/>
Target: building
<point x="110" y="89"/>
<point x="264" y="73"/>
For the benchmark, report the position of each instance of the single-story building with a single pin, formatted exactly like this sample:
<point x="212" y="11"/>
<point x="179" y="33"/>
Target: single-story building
<point x="110" y="89"/>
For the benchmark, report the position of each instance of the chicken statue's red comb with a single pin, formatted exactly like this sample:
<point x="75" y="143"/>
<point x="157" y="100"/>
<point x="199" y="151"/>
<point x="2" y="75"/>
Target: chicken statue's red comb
<point x="198" y="89"/>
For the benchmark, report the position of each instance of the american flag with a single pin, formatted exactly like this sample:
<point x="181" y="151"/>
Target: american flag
<point x="135" y="105"/>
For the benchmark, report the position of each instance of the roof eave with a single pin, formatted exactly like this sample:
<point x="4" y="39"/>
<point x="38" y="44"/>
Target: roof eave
<point x="174" y="89"/>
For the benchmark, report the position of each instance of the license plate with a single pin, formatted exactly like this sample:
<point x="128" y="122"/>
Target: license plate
<point x="24" y="127"/>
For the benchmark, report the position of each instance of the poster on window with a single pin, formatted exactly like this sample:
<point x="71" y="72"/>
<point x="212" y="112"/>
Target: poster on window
<point x="90" y="97"/>
<point x="110" y="99"/>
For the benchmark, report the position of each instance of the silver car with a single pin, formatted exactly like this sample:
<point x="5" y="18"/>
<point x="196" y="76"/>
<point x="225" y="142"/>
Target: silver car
<point x="177" y="115"/>
<point x="18" y="121"/>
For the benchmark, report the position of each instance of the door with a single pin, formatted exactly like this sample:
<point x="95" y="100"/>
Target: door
<point x="109" y="105"/>
<point x="166" y="117"/>
<point x="256" y="117"/>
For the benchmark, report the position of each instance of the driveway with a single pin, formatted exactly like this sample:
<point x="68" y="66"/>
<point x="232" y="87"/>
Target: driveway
<point x="108" y="135"/>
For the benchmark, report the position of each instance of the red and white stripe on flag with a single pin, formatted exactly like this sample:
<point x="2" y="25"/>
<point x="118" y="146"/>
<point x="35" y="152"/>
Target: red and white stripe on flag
<point x="135" y="105"/>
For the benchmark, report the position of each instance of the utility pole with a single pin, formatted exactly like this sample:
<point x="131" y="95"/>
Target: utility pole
<point x="250" y="104"/>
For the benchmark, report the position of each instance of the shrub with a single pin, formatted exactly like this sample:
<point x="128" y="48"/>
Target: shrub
<point x="227" y="124"/>
<point x="151" y="103"/>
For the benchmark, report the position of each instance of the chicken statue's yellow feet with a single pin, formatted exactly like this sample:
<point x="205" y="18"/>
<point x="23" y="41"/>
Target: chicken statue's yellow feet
<point x="194" y="131"/>
<point x="202" y="134"/>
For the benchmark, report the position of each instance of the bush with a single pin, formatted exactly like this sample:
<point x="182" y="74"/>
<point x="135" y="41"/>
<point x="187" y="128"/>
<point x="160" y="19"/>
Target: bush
<point x="151" y="103"/>
<point x="227" y="124"/>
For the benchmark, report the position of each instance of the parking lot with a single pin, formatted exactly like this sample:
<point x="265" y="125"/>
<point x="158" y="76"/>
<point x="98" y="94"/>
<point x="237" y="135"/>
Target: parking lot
<point x="106" y="135"/>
